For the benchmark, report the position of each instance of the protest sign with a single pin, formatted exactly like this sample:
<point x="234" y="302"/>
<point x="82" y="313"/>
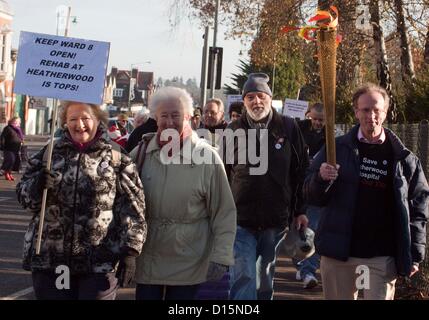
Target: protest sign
<point x="295" y="108"/>
<point x="61" y="67"/>
<point x="233" y="98"/>
<point x="278" y="105"/>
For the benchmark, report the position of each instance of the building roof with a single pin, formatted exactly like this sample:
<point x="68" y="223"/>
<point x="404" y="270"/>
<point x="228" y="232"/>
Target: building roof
<point x="145" y="80"/>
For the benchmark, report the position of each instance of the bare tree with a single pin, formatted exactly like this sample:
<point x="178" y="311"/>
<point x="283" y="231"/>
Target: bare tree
<point x="427" y="47"/>
<point x="407" y="64"/>
<point x="383" y="73"/>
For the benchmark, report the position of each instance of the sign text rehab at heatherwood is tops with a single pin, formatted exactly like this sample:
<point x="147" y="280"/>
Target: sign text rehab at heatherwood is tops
<point x="61" y="67"/>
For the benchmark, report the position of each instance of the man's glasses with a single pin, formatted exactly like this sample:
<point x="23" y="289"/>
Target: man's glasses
<point x="210" y="113"/>
<point x="377" y="112"/>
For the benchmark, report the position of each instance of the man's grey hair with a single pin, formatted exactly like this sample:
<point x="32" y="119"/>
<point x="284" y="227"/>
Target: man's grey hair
<point x="171" y="95"/>
<point x="142" y="116"/>
<point x="371" y="87"/>
<point x="318" y="107"/>
<point x="218" y="102"/>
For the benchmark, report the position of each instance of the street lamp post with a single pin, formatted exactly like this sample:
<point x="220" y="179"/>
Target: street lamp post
<point x="215" y="55"/>
<point x="64" y="18"/>
<point x="13" y="57"/>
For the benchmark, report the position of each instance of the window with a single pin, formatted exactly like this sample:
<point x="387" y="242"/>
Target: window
<point x="118" y="92"/>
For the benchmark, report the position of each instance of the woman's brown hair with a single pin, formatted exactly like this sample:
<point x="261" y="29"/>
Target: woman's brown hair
<point x="95" y="109"/>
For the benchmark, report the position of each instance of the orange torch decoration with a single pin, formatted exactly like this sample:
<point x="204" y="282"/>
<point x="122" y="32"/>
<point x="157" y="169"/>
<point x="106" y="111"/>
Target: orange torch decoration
<point x="325" y="33"/>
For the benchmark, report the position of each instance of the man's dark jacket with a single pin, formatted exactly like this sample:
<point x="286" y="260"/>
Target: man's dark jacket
<point x="313" y="138"/>
<point x="269" y="200"/>
<point x="136" y="136"/>
<point x="411" y="194"/>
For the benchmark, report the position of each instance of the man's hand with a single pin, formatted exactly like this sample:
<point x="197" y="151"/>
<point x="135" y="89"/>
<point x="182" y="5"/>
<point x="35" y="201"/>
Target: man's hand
<point x="301" y="221"/>
<point x="216" y="271"/>
<point x="328" y="172"/>
<point x="414" y="269"/>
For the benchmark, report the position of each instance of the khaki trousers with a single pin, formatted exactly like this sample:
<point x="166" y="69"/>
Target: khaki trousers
<point x="342" y="280"/>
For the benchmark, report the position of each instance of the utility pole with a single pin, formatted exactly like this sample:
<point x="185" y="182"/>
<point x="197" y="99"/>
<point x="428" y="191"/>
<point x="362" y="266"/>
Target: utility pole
<point x="13" y="56"/>
<point x="66" y="31"/>
<point x="204" y="67"/>
<point x="214" y="64"/>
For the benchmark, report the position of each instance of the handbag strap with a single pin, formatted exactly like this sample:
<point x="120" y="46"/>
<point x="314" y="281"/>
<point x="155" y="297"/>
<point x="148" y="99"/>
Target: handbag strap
<point x="141" y="154"/>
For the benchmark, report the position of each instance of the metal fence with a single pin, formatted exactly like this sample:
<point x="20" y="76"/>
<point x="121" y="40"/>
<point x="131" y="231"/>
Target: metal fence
<point x="414" y="136"/>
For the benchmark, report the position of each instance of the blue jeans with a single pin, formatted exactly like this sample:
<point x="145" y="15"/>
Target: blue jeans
<point x="163" y="292"/>
<point x="252" y="275"/>
<point x="311" y="264"/>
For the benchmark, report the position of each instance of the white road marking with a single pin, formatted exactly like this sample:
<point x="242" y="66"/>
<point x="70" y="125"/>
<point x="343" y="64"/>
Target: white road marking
<point x="11" y="260"/>
<point x="12" y="230"/>
<point x="18" y="294"/>
<point x="13" y="223"/>
<point x="5" y="198"/>
<point x="17" y="216"/>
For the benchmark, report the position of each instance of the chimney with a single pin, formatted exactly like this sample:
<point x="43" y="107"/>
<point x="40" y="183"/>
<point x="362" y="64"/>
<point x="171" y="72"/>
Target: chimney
<point x="134" y="73"/>
<point x="114" y="72"/>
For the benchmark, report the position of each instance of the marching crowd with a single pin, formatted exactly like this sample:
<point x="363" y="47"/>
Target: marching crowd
<point x="177" y="213"/>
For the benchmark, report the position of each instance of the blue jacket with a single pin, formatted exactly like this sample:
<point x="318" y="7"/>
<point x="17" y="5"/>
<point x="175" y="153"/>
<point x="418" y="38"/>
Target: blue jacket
<point x="411" y="195"/>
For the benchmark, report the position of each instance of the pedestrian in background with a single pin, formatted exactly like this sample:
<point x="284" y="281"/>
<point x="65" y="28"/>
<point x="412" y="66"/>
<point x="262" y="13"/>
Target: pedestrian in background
<point x="11" y="141"/>
<point x="235" y="110"/>
<point x="313" y="131"/>
<point x="141" y="117"/>
<point x="138" y="132"/>
<point x="214" y="113"/>
<point x="196" y="122"/>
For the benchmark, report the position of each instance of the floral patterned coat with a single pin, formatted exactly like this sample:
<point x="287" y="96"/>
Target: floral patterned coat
<point x="94" y="212"/>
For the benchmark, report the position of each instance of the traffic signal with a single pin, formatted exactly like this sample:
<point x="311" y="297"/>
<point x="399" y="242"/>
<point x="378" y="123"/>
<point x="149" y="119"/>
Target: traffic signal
<point x="215" y="51"/>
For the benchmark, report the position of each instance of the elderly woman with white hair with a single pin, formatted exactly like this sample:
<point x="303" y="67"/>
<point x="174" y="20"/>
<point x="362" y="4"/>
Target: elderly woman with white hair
<point x="143" y="124"/>
<point x="191" y="213"/>
<point x="141" y="117"/>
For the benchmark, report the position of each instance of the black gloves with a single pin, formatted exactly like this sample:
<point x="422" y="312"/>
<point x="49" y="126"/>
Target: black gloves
<point x="216" y="271"/>
<point x="46" y="179"/>
<point x="127" y="266"/>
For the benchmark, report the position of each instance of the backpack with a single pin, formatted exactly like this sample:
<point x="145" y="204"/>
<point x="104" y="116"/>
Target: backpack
<point x="141" y="156"/>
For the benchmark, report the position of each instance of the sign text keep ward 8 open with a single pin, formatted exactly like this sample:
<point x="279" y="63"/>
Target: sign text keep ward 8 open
<point x="61" y="67"/>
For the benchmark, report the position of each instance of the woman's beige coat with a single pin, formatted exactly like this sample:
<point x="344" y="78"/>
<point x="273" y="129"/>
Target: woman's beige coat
<point x="190" y="214"/>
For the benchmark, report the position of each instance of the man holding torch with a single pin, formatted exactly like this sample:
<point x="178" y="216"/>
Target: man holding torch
<point x="372" y="228"/>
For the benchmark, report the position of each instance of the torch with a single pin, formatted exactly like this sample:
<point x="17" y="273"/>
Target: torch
<point x="327" y="53"/>
<point x="327" y="42"/>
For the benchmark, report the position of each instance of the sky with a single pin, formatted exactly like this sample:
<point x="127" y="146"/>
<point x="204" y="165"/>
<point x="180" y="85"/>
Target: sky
<point x="138" y="32"/>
